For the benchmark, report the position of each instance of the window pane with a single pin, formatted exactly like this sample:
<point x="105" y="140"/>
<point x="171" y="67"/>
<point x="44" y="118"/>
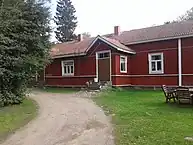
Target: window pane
<point x="156" y="57"/>
<point x="65" y="69"/>
<point x="153" y="66"/>
<point x="106" y="54"/>
<point x="68" y="63"/>
<point x="123" y="67"/>
<point x="100" y="55"/>
<point x="68" y="69"/>
<point x="122" y="59"/>
<point x="72" y="69"/>
<point x="159" y="66"/>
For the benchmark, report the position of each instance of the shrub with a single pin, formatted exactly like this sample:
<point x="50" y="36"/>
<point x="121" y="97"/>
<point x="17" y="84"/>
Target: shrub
<point x="24" y="46"/>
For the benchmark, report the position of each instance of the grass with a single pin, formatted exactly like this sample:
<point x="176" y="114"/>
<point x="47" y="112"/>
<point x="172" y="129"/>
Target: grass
<point x="59" y="90"/>
<point x="143" y="118"/>
<point x="16" y="116"/>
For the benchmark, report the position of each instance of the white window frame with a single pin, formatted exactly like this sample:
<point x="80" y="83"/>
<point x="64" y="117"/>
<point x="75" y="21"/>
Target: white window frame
<point x="125" y="57"/>
<point x="150" y="63"/>
<point x="103" y="52"/>
<point x="62" y="65"/>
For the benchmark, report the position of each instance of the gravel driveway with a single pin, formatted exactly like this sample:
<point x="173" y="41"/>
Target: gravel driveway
<point x="64" y="119"/>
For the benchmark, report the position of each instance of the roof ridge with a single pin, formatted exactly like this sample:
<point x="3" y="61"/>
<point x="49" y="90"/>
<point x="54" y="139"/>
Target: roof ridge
<point x="173" y="23"/>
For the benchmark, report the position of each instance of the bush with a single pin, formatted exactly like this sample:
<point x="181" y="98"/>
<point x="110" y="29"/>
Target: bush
<point x="24" y="46"/>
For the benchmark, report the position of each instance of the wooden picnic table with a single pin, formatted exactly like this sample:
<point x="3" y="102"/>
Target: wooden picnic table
<point x="191" y="92"/>
<point x="190" y="89"/>
<point x="178" y="94"/>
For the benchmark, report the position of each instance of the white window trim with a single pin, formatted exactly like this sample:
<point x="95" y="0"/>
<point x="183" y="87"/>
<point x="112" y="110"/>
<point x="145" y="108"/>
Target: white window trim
<point x="102" y="52"/>
<point x="62" y="65"/>
<point x="150" y="66"/>
<point x="121" y="56"/>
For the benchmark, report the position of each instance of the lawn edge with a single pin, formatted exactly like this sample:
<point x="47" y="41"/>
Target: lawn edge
<point x="24" y="123"/>
<point x="107" y="113"/>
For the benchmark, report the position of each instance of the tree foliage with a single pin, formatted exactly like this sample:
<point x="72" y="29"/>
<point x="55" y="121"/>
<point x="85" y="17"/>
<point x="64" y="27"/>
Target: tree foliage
<point x="65" y="20"/>
<point x="24" y="46"/>
<point x="185" y="17"/>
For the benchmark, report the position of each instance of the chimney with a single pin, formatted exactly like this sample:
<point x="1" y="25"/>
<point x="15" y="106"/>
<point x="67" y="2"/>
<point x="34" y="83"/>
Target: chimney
<point x="80" y="37"/>
<point x="117" y="30"/>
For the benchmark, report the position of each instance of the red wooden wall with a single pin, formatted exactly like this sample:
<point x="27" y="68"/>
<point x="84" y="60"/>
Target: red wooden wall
<point x="138" y="66"/>
<point x="187" y="61"/>
<point x="84" y="70"/>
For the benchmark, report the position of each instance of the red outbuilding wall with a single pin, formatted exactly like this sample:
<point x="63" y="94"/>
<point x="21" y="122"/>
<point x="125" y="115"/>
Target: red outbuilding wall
<point x="187" y="61"/>
<point x="137" y="66"/>
<point x="84" y="68"/>
<point x="140" y="65"/>
<point x="119" y="78"/>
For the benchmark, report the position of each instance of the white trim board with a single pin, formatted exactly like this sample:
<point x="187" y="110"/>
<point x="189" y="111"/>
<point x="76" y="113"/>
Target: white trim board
<point x="187" y="74"/>
<point x="153" y="75"/>
<point x="159" y="39"/>
<point x="109" y="43"/>
<point x="69" y="55"/>
<point x="179" y="62"/>
<point x="83" y="76"/>
<point x="93" y="76"/>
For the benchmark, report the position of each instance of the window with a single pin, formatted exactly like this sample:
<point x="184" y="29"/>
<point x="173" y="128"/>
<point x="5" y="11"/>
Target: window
<point x="103" y="55"/>
<point x="156" y="63"/>
<point x="123" y="64"/>
<point x="67" y="67"/>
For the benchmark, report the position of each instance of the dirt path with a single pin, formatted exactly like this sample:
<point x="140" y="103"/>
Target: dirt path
<point x="64" y="119"/>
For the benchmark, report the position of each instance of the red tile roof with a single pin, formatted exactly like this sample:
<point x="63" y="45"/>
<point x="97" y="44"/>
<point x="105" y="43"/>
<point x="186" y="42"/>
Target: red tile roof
<point x="81" y="47"/>
<point x="154" y="33"/>
<point x="167" y="31"/>
<point x="75" y="47"/>
<point x="118" y="44"/>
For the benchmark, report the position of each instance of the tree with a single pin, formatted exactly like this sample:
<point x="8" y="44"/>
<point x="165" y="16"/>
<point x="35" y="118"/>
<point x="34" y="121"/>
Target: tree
<point x="86" y="35"/>
<point x="24" y="46"/>
<point x="65" y="20"/>
<point x="187" y="16"/>
<point x="167" y="22"/>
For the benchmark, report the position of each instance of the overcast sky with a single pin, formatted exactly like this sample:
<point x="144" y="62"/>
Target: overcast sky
<point x="100" y="16"/>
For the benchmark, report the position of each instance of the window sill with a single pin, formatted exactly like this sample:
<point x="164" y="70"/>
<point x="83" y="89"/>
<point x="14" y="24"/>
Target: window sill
<point x="154" y="73"/>
<point x="123" y="72"/>
<point x="68" y="75"/>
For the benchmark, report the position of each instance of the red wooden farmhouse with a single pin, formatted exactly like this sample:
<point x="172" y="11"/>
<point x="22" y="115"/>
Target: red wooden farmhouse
<point x="143" y="57"/>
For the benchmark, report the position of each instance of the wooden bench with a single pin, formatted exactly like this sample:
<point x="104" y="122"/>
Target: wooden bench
<point x="169" y="94"/>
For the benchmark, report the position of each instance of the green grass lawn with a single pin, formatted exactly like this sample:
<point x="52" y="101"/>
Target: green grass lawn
<point x="143" y="118"/>
<point x="13" y="117"/>
<point x="59" y="90"/>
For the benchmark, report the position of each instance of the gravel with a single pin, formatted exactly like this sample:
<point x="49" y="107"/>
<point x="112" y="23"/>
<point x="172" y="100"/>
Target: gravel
<point x="65" y="119"/>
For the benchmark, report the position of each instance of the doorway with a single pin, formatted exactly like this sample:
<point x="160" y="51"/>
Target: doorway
<point x="103" y="66"/>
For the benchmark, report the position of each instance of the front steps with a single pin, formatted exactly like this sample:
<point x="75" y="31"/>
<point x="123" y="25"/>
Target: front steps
<point x="97" y="85"/>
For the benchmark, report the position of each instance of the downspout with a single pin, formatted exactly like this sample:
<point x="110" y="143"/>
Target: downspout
<point x="179" y="62"/>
